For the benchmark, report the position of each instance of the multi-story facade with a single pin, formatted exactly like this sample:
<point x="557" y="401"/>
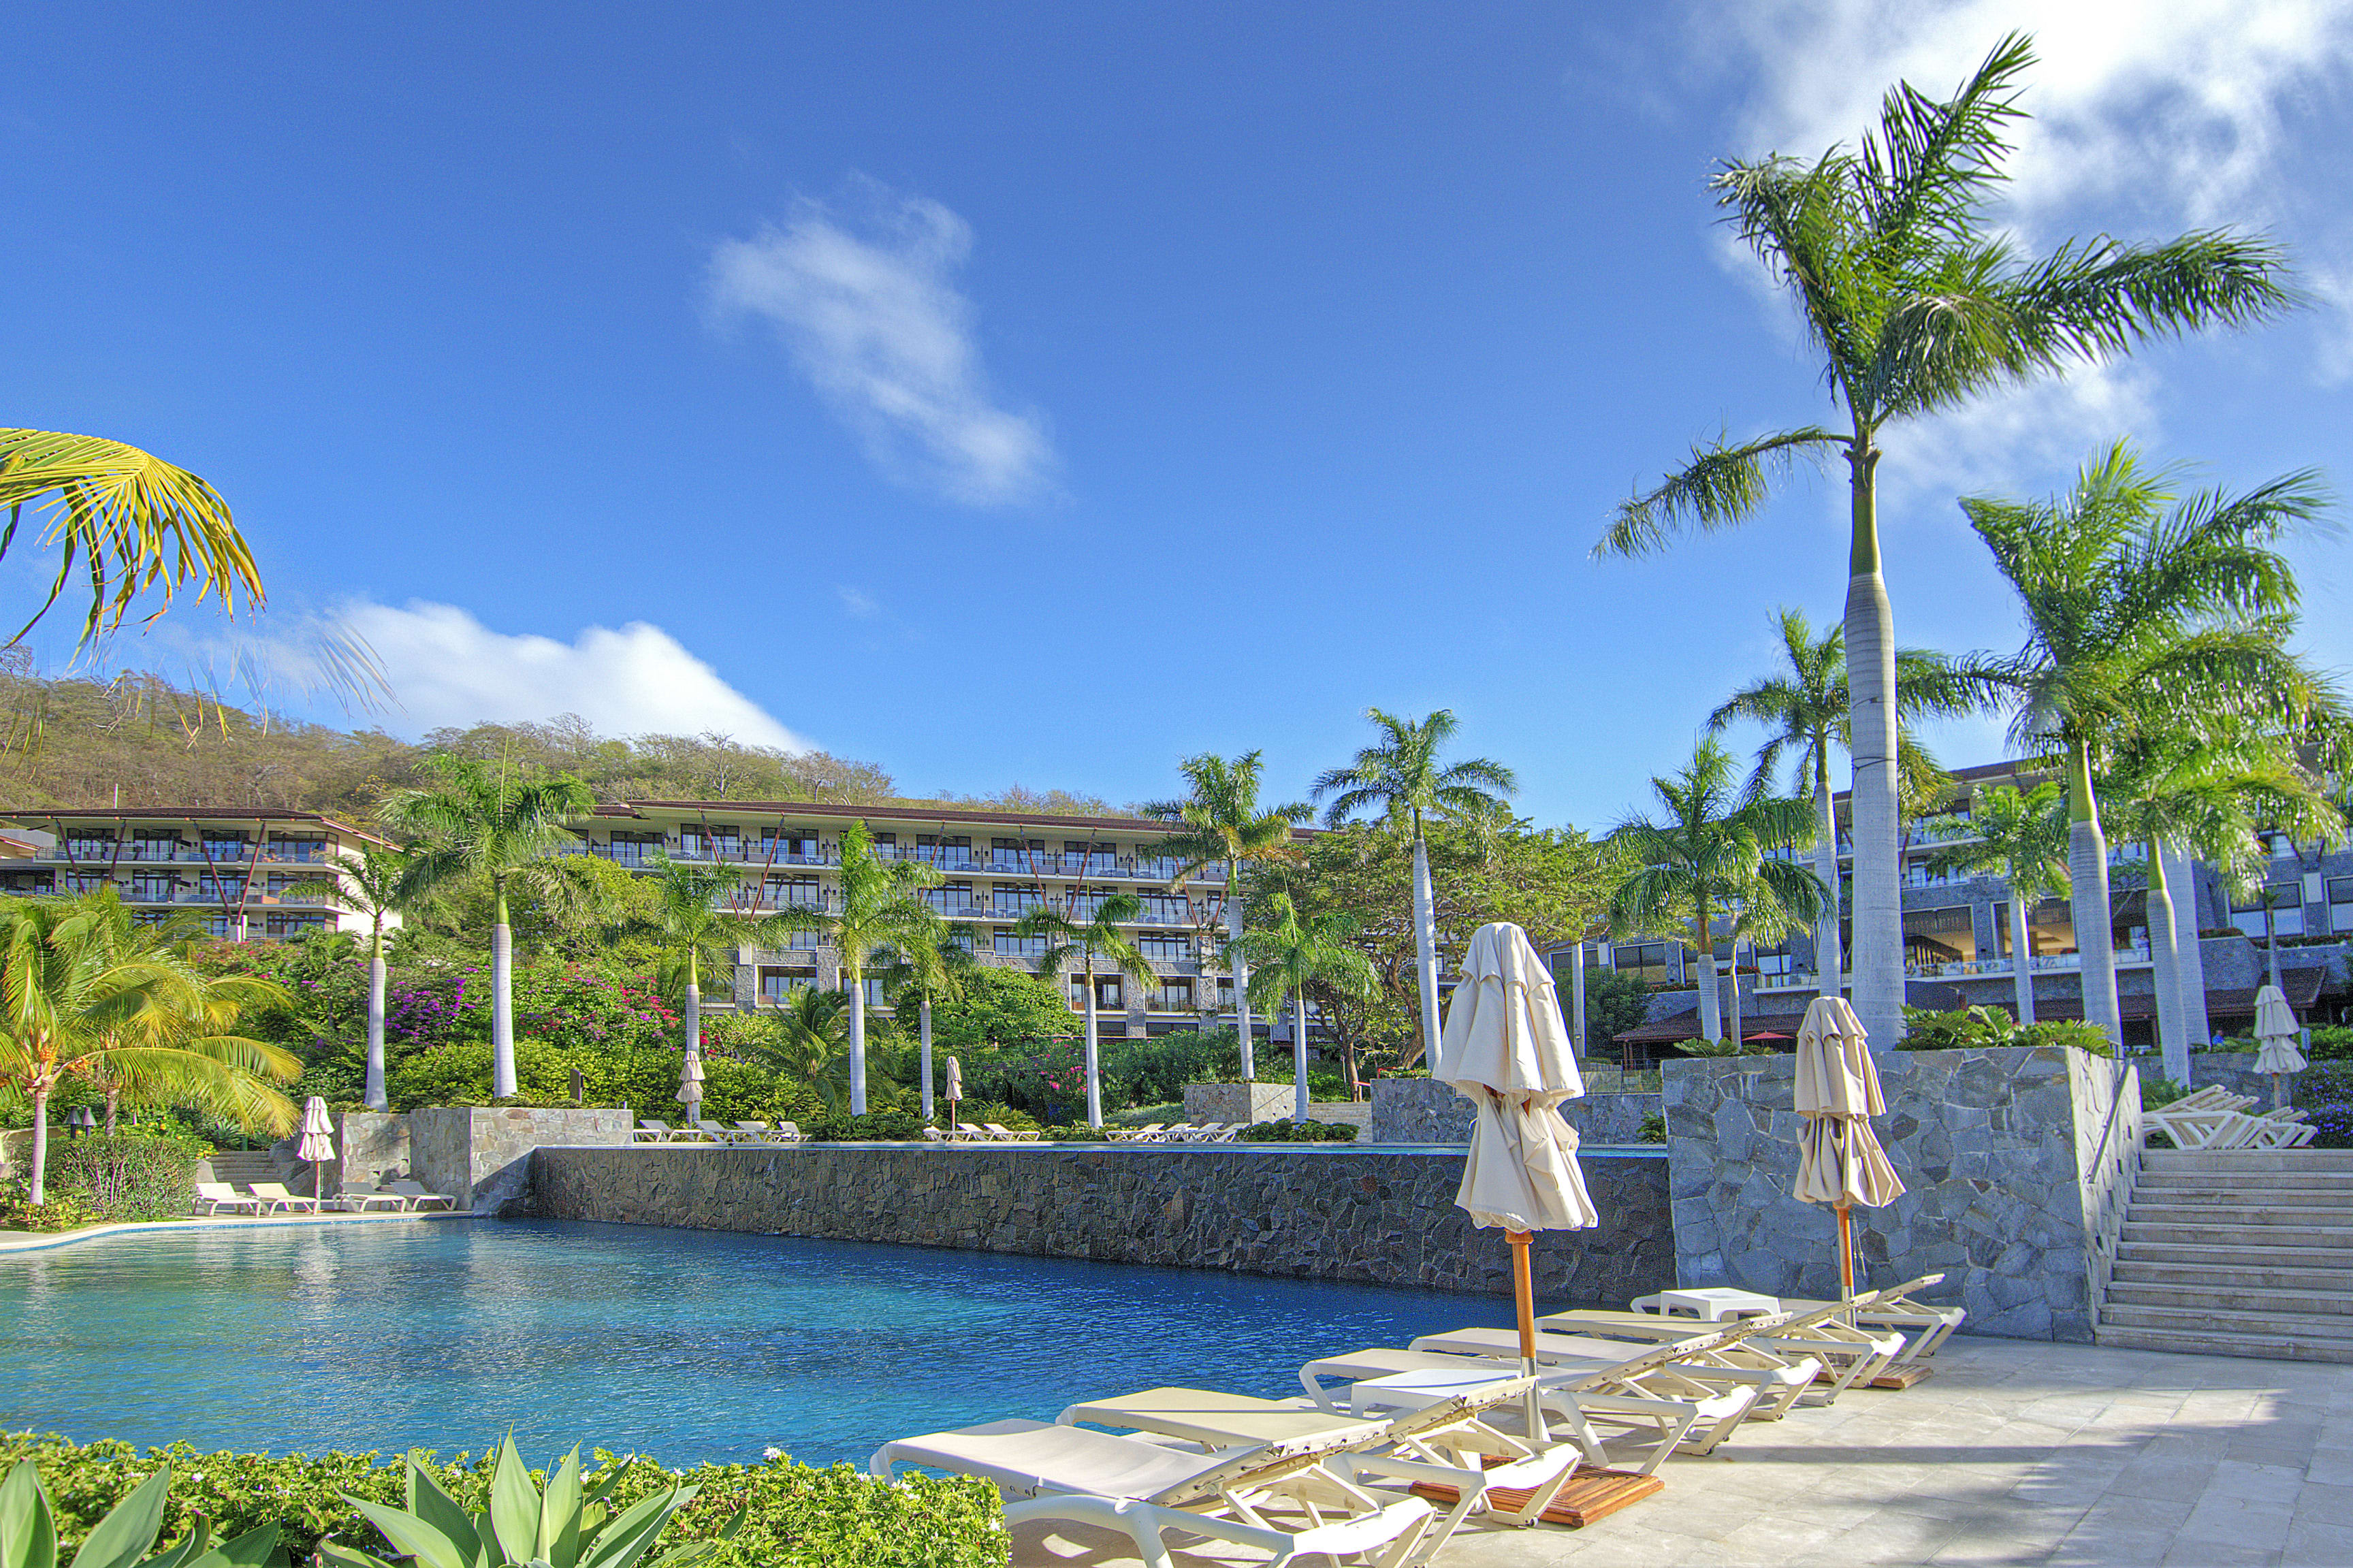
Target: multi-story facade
<point x="251" y="874"/>
<point x="995" y="868"/>
<point x="1957" y="932"/>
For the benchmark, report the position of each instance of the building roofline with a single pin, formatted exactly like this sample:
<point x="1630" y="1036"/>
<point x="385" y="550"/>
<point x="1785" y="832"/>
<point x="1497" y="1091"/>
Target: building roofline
<point x="1979" y="773"/>
<point x="191" y="814"/>
<point x="637" y="808"/>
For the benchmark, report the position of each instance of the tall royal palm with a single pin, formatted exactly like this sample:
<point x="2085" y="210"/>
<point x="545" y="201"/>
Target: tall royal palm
<point x="2020" y="836"/>
<point x="496" y="820"/>
<point x="924" y="974"/>
<point x="1711" y="859"/>
<point x="371" y="884"/>
<point x="2145" y="616"/>
<point x="1084" y="942"/>
<point x="1289" y="953"/>
<point x="695" y="928"/>
<point x="1916" y="308"/>
<point x="1804" y="711"/>
<point x="1400" y="782"/>
<point x="1221" y="823"/>
<point x="878" y="904"/>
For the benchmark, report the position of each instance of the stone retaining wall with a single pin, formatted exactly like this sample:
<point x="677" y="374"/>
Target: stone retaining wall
<point x="1333" y="1213"/>
<point x="1424" y="1110"/>
<point x="481" y="1155"/>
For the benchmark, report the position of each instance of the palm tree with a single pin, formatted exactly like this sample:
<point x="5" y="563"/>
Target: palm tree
<point x="879" y="905"/>
<point x="1915" y="309"/>
<point x="2145" y="616"/>
<point x="1713" y="858"/>
<point x="73" y="1006"/>
<point x="2212" y="793"/>
<point x="1805" y="712"/>
<point x="686" y="906"/>
<point x="928" y="972"/>
<point x="1291" y="953"/>
<point x="1401" y="779"/>
<point x="812" y="1041"/>
<point x="129" y="523"/>
<point x="1221" y="822"/>
<point x="2021" y="837"/>
<point x="1100" y="933"/>
<point x="497" y="820"/>
<point x="371" y="884"/>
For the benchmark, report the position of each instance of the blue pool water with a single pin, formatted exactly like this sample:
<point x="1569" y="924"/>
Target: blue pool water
<point x="681" y="1344"/>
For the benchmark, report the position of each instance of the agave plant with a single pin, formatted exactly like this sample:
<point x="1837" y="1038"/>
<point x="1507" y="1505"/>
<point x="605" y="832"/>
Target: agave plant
<point x="567" y="1526"/>
<point x="28" y="1532"/>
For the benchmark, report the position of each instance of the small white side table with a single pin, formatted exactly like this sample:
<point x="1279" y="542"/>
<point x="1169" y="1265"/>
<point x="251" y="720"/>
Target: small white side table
<point x="1710" y="1304"/>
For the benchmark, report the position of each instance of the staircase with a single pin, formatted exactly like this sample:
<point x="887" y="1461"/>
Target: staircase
<point x="239" y="1166"/>
<point x="2237" y="1254"/>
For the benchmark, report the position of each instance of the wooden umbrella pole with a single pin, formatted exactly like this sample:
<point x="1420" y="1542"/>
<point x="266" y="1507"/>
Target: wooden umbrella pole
<point x="1524" y="1292"/>
<point x="1846" y="1254"/>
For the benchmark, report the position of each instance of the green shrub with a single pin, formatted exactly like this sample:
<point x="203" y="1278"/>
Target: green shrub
<point x="66" y="1210"/>
<point x="2071" y="1032"/>
<point x="1654" y="1130"/>
<point x="874" y="1127"/>
<point x="1298" y="1132"/>
<point x="147" y="1173"/>
<point x="792" y="1516"/>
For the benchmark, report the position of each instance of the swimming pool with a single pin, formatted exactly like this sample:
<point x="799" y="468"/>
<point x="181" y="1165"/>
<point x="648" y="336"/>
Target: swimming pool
<point x="681" y="1344"/>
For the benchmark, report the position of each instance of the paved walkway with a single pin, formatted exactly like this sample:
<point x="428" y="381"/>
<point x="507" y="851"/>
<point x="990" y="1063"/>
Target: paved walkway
<point x="2014" y="1453"/>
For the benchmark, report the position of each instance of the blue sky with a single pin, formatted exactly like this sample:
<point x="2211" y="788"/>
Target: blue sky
<point x="1046" y="394"/>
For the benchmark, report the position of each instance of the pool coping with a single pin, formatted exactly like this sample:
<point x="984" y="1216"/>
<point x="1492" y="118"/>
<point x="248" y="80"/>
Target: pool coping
<point x="42" y="1241"/>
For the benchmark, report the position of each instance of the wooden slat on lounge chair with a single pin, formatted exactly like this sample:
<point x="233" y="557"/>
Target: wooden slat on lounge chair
<point x="1586" y="1496"/>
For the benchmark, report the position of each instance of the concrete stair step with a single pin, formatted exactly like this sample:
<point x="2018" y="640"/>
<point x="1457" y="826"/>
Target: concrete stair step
<point x="2329" y="1300"/>
<point x="2186" y="1343"/>
<point x="2328" y="1216"/>
<point x="2234" y="1257"/>
<point x="2318" y="1327"/>
<point x="2206" y="1233"/>
<point x="2283" y="1190"/>
<point x="2167" y="1162"/>
<point x="2289" y="1272"/>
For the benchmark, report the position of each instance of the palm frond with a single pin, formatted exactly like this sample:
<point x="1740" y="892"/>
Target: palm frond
<point x="1724" y="484"/>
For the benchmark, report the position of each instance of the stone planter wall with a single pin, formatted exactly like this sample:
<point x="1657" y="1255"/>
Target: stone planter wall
<point x="1991" y="1145"/>
<point x="1334" y="1212"/>
<point x="1424" y="1110"/>
<point x="1251" y="1102"/>
<point x="481" y="1155"/>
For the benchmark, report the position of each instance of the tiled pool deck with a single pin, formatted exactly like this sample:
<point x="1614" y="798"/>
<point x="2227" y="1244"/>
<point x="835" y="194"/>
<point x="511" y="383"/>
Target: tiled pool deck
<point x="2014" y="1453"/>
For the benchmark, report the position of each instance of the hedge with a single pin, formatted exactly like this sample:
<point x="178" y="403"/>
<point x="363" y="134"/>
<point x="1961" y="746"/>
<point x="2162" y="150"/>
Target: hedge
<point x="1298" y="1132"/>
<point x="794" y="1516"/>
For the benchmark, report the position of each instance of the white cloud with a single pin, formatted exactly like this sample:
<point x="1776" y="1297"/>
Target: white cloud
<point x="859" y="603"/>
<point x="444" y="667"/>
<point x="874" y="317"/>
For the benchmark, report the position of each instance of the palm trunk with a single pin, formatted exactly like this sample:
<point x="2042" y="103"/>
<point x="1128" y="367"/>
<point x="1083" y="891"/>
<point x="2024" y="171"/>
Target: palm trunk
<point x="1299" y="1055"/>
<point x="2270" y="937"/>
<point x="1240" y="967"/>
<point x="1829" y="957"/>
<point x="2022" y="958"/>
<point x="1737" y="1036"/>
<point x="1577" y="994"/>
<point x="113" y="1098"/>
<point x="2172" y="1039"/>
<point x="39" y="1191"/>
<point x="923" y="1016"/>
<point x="1878" y="964"/>
<point x="1425" y="945"/>
<point x="2087" y="863"/>
<point x="1095" y="1061"/>
<point x="857" y="1042"/>
<point x="502" y="1063"/>
<point x="374" y="1095"/>
<point x="2191" y="965"/>
<point x="1711" y="1020"/>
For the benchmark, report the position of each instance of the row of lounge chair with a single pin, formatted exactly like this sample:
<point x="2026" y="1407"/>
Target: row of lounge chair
<point x="2215" y="1120"/>
<point x="756" y="1133"/>
<point x="1382" y="1438"/>
<point x="271" y="1197"/>
<point x="977" y="1132"/>
<point x="1180" y="1132"/>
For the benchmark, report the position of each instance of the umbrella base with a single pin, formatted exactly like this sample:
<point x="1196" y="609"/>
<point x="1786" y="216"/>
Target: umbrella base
<point x="1588" y="1495"/>
<point x="1902" y="1376"/>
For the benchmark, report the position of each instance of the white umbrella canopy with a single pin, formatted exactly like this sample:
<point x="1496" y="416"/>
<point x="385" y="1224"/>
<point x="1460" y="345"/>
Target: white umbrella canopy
<point x="956" y="1088"/>
<point x="316" y="1144"/>
<point x="690" y="1081"/>
<point x="1836" y="1089"/>
<point x="2278" y="1040"/>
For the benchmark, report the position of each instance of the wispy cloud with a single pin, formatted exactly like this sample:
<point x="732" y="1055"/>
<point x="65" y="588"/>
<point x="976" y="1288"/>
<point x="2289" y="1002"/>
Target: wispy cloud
<point x="869" y="308"/>
<point x="857" y="602"/>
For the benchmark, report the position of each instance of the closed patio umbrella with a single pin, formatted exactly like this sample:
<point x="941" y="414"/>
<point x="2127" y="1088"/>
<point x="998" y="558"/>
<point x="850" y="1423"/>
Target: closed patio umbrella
<point x="1506" y="1049"/>
<point x="2277" y="1036"/>
<point x="1840" y="1161"/>
<point x="955" y="1089"/>
<point x="690" y="1082"/>
<point x="316" y="1144"/>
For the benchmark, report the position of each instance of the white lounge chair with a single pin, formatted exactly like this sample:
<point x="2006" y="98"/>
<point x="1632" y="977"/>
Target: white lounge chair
<point x="1851" y="1354"/>
<point x="274" y="1196"/>
<point x="1149" y="1491"/>
<point x="418" y="1197"/>
<point x="1007" y="1134"/>
<point x="1443" y="1444"/>
<point x="2282" y="1127"/>
<point x="214" y="1196"/>
<point x="1145" y="1134"/>
<point x="1924" y="1325"/>
<point x="2212" y="1118"/>
<point x="358" y="1199"/>
<point x="649" y="1130"/>
<point x="718" y="1133"/>
<point x="1778" y="1380"/>
<point x="785" y="1132"/>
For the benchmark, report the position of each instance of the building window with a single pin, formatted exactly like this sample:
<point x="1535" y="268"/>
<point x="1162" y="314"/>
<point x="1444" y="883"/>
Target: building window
<point x="146" y="845"/>
<point x="1015" y="946"/>
<point x="305" y="850"/>
<point x="793" y="846"/>
<point x="712" y="842"/>
<point x="1225" y="993"/>
<point x="793" y="892"/>
<point x="873" y="990"/>
<point x="2288" y="910"/>
<point x="631" y="848"/>
<point x="1644" y="961"/>
<point x="1166" y="909"/>
<point x="1109" y="995"/>
<point x="222" y="844"/>
<point x="1013" y="855"/>
<point x="1014" y="902"/>
<point x="777" y="986"/>
<point x="1173" y="996"/>
<point x="803" y="940"/>
<point x="149" y="887"/>
<point x="88" y="846"/>
<point x="2340" y="903"/>
<point x="1164" y="948"/>
<point x="80" y="882"/>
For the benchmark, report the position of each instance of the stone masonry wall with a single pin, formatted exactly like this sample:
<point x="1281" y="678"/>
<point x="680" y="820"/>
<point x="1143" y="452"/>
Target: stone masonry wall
<point x="1424" y="1110"/>
<point x="1333" y="1213"/>
<point x="1984" y="1141"/>
<point x="1251" y="1102"/>
<point x="480" y="1156"/>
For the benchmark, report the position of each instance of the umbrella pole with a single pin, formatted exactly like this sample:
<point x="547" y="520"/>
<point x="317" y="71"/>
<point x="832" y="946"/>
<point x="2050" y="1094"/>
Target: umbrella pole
<point x="1846" y="1253"/>
<point x="1524" y="1293"/>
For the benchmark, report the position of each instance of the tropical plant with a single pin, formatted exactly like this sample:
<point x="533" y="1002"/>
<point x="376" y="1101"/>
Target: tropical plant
<point x="1293" y="952"/>
<point x="568" y="1526"/>
<point x="1099" y="935"/>
<point x="1712" y="858"/>
<point x="1805" y="713"/>
<point x="134" y="523"/>
<point x="879" y="905"/>
<point x="1916" y="308"/>
<point x="694" y="928"/>
<point x="28" y="1532"/>
<point x="810" y="1043"/>
<point x="2144" y="616"/>
<point x="2021" y="837"/>
<point x="1221" y="822"/>
<point x="71" y="1007"/>
<point x="497" y="820"/>
<point x="371" y="884"/>
<point x="1399" y="780"/>
<point x="924" y="974"/>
